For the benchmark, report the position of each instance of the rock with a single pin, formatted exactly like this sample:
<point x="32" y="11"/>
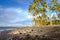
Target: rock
<point x="32" y="33"/>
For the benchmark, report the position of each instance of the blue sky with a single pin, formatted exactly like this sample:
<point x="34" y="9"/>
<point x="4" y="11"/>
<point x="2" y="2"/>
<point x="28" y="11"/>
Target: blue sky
<point x="15" y="13"/>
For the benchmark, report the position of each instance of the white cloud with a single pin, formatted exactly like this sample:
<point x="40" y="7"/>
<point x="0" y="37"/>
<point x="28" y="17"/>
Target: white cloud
<point x="30" y="17"/>
<point x="13" y="15"/>
<point x="11" y="25"/>
<point x="16" y="20"/>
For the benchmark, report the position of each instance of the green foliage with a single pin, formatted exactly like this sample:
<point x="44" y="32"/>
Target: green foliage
<point x="56" y="22"/>
<point x="36" y="9"/>
<point x="58" y="15"/>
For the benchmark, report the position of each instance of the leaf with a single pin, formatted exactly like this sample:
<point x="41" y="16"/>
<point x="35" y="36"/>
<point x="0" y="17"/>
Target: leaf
<point x="35" y="12"/>
<point x="56" y="4"/>
<point x="58" y="15"/>
<point x="45" y="4"/>
<point x="42" y="10"/>
<point x="58" y="8"/>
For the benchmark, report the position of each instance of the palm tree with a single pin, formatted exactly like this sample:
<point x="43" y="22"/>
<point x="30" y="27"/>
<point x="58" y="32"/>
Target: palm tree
<point x="58" y="15"/>
<point x="53" y="8"/>
<point x="33" y="8"/>
<point x="36" y="9"/>
<point x="58" y="8"/>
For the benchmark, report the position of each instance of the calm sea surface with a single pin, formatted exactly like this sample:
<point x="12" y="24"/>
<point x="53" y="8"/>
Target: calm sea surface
<point x="7" y="28"/>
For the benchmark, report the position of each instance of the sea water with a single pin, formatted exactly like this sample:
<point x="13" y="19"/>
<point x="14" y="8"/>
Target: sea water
<point x="6" y="28"/>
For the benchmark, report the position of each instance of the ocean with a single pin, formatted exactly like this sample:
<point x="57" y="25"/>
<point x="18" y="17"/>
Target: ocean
<point x="7" y="28"/>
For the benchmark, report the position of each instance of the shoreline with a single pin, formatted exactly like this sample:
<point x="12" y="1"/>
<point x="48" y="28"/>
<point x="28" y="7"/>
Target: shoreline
<point x="32" y="33"/>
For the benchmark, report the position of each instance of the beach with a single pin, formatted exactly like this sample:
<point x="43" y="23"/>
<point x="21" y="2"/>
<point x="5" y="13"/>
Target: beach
<point x="32" y="33"/>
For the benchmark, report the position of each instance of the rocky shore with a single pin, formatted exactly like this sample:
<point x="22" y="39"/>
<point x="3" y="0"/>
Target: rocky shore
<point x="32" y="33"/>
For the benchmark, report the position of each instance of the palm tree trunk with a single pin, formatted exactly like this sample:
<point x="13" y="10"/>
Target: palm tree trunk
<point x="50" y="21"/>
<point x="48" y="10"/>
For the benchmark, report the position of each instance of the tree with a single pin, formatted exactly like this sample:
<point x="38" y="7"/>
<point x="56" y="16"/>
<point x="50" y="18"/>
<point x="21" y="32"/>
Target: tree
<point x="58" y="15"/>
<point x="41" y="7"/>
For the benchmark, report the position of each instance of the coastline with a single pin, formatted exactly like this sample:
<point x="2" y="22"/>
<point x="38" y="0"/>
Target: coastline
<point x="31" y="33"/>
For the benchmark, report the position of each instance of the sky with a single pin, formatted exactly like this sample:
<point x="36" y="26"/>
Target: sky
<point x="15" y="13"/>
